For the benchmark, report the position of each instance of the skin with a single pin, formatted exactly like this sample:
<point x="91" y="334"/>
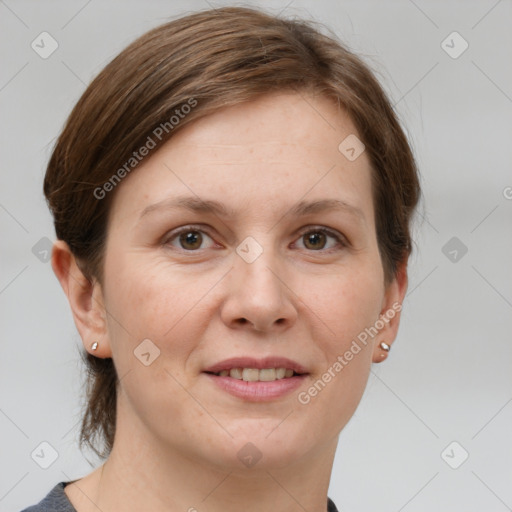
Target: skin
<point x="178" y="435"/>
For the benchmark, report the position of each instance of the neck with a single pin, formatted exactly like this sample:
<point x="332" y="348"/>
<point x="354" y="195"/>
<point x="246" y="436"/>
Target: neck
<point x="142" y="476"/>
<point x="176" y="483"/>
<point x="145" y="472"/>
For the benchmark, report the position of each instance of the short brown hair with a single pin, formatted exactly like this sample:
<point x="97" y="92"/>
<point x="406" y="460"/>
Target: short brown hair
<point x="217" y="58"/>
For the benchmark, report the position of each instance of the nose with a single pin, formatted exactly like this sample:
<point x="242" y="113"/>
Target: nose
<point x="258" y="296"/>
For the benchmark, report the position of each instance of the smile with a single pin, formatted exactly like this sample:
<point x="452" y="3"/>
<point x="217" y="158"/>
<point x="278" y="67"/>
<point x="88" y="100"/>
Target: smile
<point x="255" y="375"/>
<point x="257" y="379"/>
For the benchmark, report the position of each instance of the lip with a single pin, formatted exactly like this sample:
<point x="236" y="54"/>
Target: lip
<point x="260" y="364"/>
<point x="258" y="391"/>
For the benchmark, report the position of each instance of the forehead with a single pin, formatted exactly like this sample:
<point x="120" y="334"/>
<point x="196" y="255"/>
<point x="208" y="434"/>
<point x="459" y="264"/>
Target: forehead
<point x="263" y="154"/>
<point x="268" y="126"/>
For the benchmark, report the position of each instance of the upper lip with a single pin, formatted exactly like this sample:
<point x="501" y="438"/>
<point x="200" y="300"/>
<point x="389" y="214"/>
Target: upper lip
<point x="260" y="364"/>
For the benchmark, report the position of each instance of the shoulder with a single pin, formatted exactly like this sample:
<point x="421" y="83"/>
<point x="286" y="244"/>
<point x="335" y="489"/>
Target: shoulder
<point x="55" y="501"/>
<point x="331" y="507"/>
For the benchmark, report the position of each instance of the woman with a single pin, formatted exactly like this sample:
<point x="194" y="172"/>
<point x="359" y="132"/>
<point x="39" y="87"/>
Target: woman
<point x="232" y="198"/>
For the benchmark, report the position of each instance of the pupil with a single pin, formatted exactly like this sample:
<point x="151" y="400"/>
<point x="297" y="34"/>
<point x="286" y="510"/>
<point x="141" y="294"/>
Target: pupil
<point x="191" y="238"/>
<point x="316" y="239"/>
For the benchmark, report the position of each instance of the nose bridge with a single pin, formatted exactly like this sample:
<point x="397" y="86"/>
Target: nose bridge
<point x="256" y="263"/>
<point x="258" y="293"/>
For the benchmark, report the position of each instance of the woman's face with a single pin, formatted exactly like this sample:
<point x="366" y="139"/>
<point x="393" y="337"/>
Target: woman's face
<point x="261" y="276"/>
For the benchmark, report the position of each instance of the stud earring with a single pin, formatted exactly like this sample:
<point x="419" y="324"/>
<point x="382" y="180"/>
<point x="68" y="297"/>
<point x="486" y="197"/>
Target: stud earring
<point x="94" y="346"/>
<point x="385" y="346"/>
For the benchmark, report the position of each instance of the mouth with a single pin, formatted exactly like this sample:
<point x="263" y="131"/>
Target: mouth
<point x="257" y="380"/>
<point x="257" y="375"/>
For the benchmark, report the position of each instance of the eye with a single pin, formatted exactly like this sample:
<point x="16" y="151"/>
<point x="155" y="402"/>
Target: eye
<point x="316" y="239"/>
<point x="189" y="238"/>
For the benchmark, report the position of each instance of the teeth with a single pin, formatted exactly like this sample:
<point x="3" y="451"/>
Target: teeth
<point x="250" y="374"/>
<point x="254" y="375"/>
<point x="236" y="373"/>
<point x="268" y="374"/>
<point x="281" y="373"/>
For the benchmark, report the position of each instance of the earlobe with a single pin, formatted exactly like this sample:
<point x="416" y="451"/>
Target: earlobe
<point x="390" y="314"/>
<point x="85" y="299"/>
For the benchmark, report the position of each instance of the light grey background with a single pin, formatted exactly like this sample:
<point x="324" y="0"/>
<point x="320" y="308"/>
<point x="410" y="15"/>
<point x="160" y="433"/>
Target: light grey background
<point x="449" y="376"/>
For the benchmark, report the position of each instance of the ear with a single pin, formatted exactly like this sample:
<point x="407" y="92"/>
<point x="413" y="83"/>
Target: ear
<point x="85" y="299"/>
<point x="390" y="312"/>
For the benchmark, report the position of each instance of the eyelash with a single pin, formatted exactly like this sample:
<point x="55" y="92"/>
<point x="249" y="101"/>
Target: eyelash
<point x="310" y="229"/>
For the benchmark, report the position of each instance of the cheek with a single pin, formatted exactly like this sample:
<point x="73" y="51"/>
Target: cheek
<point x="347" y="303"/>
<point x="148" y="302"/>
<point x="149" y="299"/>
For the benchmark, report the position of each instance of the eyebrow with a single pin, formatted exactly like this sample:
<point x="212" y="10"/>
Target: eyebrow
<point x="302" y="208"/>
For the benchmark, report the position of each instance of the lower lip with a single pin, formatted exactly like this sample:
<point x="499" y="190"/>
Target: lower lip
<point x="257" y="391"/>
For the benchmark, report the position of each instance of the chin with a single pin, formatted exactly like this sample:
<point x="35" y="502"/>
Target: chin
<point x="263" y="448"/>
